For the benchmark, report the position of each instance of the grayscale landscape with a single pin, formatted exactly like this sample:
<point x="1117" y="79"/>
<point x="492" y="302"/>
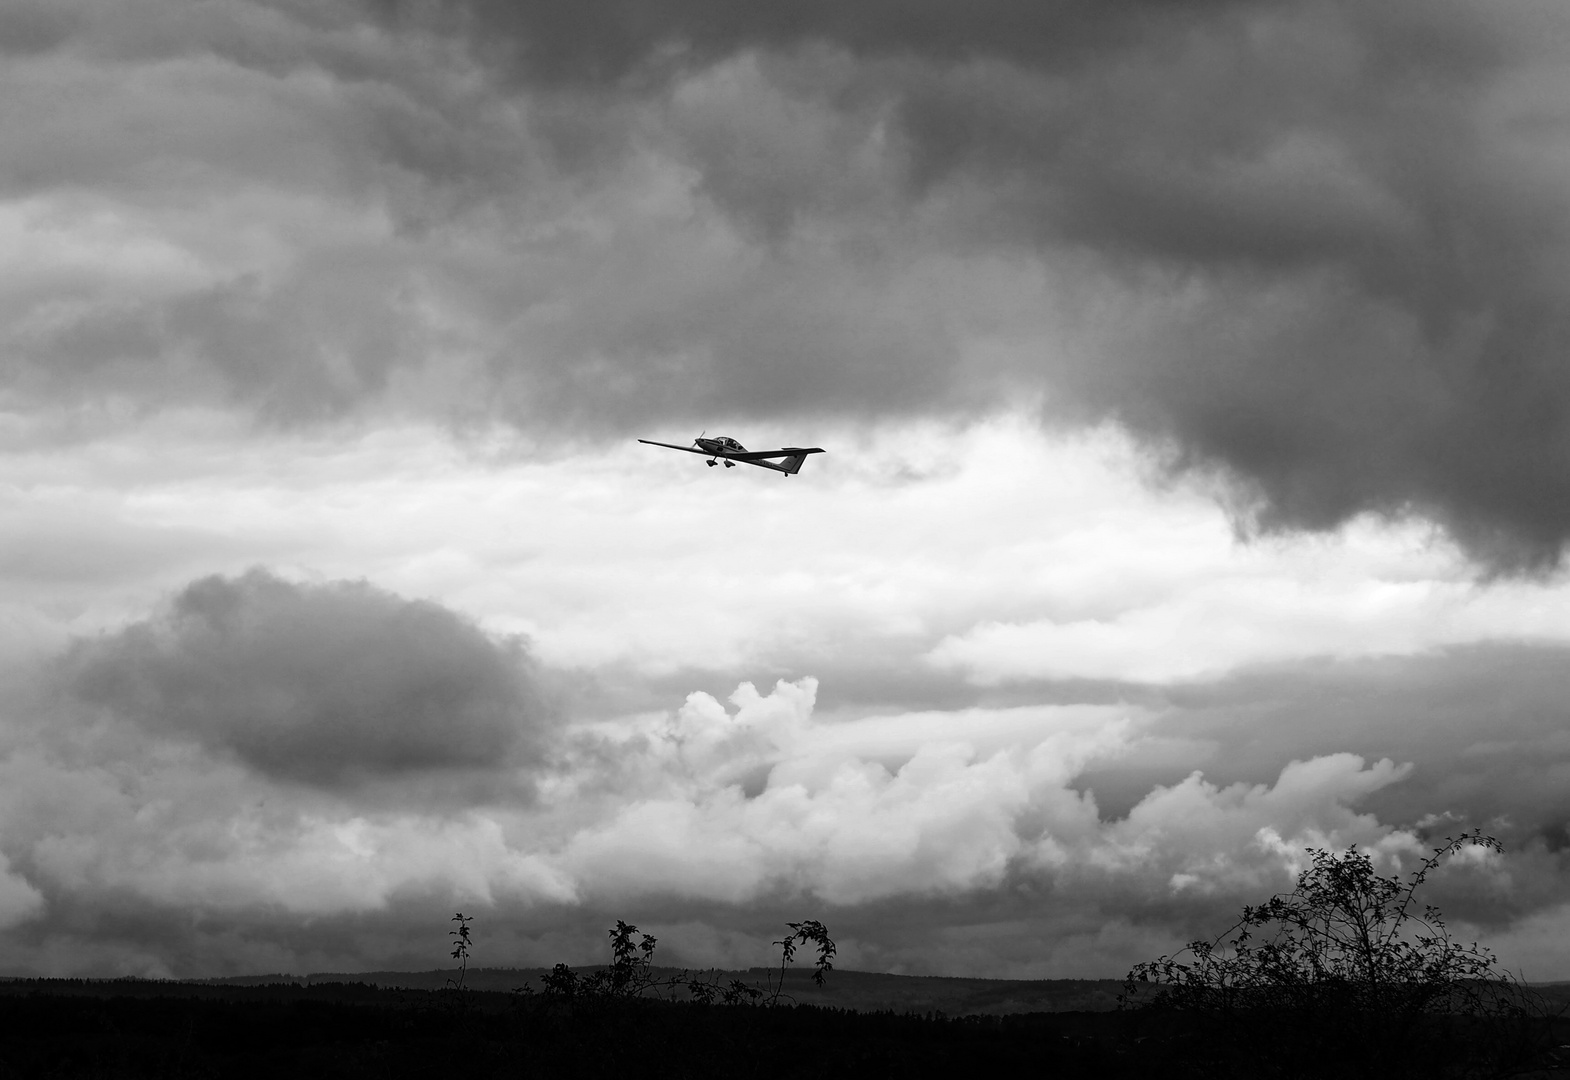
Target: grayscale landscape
<point x="1031" y="494"/>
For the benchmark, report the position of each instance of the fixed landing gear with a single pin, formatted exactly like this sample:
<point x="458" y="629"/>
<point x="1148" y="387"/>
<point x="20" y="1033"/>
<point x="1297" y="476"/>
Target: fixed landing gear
<point x="730" y="464"/>
<point x="711" y="464"/>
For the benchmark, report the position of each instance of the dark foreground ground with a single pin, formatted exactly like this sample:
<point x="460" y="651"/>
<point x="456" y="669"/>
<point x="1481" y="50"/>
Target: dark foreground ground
<point x="72" y="1028"/>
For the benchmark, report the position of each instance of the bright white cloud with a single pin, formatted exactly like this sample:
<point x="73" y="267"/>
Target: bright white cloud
<point x="848" y="813"/>
<point x="991" y="551"/>
<point x="1245" y="835"/>
<point x="1244" y="610"/>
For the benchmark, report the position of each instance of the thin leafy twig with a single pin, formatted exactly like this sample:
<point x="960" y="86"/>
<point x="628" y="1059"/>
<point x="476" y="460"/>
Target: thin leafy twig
<point x="460" y="950"/>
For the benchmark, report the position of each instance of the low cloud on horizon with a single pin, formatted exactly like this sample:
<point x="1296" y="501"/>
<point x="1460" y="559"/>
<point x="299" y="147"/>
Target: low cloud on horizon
<point x="312" y="834"/>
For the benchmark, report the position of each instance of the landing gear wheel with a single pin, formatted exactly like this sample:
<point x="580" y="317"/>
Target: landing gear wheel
<point x="711" y="464"/>
<point x="730" y="464"/>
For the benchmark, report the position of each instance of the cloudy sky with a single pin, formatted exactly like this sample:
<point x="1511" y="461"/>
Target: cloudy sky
<point x="1193" y="376"/>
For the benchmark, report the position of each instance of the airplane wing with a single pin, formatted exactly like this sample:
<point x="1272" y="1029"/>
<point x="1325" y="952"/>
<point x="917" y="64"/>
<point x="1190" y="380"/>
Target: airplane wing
<point x="673" y="446"/>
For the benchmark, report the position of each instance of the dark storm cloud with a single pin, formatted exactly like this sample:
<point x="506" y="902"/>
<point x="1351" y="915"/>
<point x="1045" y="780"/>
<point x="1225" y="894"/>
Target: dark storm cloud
<point x="322" y="683"/>
<point x="1355" y="265"/>
<point x="32" y="28"/>
<point x="607" y="39"/>
<point x="1318" y="247"/>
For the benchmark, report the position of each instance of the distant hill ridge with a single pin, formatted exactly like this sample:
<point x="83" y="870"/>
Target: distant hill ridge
<point x="864" y="991"/>
<point x="860" y="991"/>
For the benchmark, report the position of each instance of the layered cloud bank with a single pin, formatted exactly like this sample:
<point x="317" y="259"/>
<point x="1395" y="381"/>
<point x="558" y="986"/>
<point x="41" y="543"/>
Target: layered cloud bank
<point x="1319" y="247"/>
<point x="260" y="776"/>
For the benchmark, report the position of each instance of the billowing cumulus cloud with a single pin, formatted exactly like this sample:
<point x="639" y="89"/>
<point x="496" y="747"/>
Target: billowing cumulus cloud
<point x="767" y="801"/>
<point x="323" y="683"/>
<point x="1030" y="840"/>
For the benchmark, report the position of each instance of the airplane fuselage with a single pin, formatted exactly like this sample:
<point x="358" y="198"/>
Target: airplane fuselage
<point x="719" y="445"/>
<point x="719" y="448"/>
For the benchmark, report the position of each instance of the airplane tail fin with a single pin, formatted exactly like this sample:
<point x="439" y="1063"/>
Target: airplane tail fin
<point x="791" y="463"/>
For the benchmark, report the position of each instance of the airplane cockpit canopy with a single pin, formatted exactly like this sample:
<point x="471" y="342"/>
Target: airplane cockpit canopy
<point x="730" y="443"/>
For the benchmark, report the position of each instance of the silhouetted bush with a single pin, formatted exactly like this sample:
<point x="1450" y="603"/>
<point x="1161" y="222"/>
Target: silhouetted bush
<point x="631" y="972"/>
<point x="1345" y="976"/>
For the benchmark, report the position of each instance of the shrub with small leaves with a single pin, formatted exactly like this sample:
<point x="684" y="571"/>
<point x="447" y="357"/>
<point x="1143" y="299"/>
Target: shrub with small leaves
<point x="1346" y="972"/>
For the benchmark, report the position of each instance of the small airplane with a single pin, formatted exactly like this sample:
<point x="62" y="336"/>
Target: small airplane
<point x="722" y="447"/>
